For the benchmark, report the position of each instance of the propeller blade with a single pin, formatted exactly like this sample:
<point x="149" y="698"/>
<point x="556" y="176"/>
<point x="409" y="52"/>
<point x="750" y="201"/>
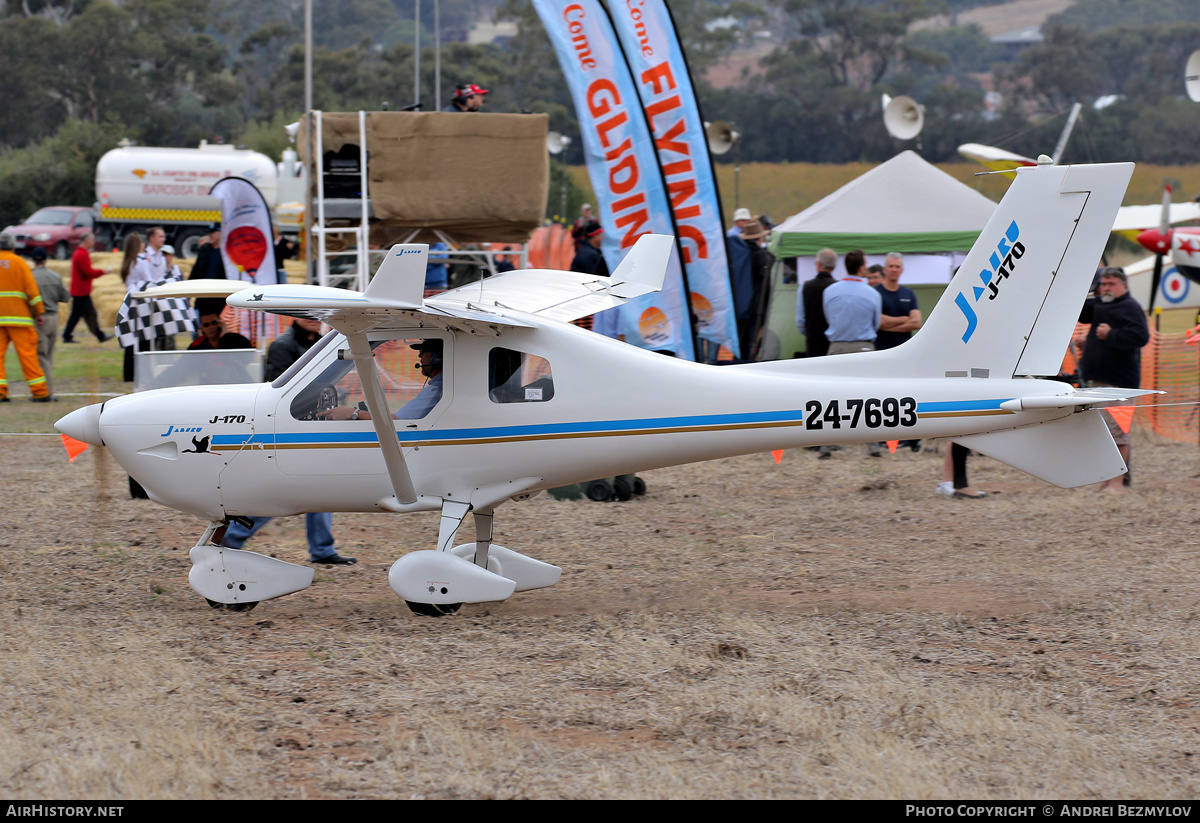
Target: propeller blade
<point x="1155" y="279"/>
<point x="1164" y="223"/>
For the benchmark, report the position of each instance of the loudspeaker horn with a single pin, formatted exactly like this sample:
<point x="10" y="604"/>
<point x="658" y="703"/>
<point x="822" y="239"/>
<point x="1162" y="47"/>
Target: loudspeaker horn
<point x="555" y="142"/>
<point x="720" y="136"/>
<point x="903" y="117"/>
<point x="1191" y="77"/>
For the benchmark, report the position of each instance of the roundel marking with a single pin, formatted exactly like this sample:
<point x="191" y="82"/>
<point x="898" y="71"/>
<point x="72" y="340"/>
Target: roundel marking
<point x="1174" y="286"/>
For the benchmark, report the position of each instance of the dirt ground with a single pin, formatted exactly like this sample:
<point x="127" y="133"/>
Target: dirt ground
<point x="809" y="629"/>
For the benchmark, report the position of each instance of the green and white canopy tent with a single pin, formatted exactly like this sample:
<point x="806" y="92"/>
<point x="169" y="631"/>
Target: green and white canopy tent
<point x="905" y="205"/>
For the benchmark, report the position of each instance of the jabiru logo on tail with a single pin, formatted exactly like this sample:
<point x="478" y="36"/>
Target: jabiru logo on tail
<point x="1002" y="262"/>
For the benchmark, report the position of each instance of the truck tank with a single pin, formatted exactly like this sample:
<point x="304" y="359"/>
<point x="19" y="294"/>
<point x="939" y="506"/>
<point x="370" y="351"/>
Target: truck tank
<point x="140" y="186"/>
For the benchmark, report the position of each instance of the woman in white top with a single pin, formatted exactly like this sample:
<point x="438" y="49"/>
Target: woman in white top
<point x="132" y="248"/>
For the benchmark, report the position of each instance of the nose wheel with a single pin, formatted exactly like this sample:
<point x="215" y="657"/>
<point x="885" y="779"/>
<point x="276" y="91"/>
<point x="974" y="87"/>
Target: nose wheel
<point x="433" y="609"/>
<point x="232" y="607"/>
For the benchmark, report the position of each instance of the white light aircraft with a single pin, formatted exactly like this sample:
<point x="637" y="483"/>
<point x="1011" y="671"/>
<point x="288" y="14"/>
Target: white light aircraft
<point x="521" y="400"/>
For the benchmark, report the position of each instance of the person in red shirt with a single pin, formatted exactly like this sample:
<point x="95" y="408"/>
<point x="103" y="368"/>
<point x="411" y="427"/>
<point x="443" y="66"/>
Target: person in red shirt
<point x="82" y="275"/>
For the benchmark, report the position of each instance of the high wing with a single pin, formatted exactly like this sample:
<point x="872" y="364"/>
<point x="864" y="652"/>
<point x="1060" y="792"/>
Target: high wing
<point x="995" y="159"/>
<point x="396" y="293"/>
<point x="1079" y="397"/>
<point x="506" y="299"/>
<point x="1133" y="220"/>
<point x="566" y="296"/>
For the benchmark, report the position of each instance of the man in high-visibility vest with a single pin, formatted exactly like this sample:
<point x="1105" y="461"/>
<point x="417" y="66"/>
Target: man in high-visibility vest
<point x="20" y="309"/>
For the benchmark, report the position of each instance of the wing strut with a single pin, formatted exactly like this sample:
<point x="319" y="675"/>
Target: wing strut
<point x="381" y="416"/>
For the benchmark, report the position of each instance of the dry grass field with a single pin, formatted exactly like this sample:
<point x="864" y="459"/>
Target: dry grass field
<point x="816" y="629"/>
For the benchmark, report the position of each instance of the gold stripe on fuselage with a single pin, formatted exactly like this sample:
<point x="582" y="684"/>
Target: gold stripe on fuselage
<point x="572" y="435"/>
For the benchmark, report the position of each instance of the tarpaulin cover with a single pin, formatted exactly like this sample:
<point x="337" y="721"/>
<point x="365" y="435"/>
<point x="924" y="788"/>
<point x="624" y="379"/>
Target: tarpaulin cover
<point x="478" y="177"/>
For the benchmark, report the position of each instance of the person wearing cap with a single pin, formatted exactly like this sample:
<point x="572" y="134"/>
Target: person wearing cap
<point x="467" y="97"/>
<point x="1112" y="349"/>
<point x="209" y="263"/>
<point x="588" y="258"/>
<point x="173" y="271"/>
<point x="21" y="310"/>
<point x="53" y="291"/>
<point x="430" y="363"/>
<point x="581" y="222"/>
<point x="749" y="298"/>
<point x="740" y="218"/>
<point x="82" y="275"/>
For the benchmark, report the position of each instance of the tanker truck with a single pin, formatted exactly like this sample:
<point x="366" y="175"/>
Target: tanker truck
<point x="138" y="187"/>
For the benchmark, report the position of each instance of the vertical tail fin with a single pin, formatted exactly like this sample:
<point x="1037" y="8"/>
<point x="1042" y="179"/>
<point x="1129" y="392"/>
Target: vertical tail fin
<point x="1012" y="306"/>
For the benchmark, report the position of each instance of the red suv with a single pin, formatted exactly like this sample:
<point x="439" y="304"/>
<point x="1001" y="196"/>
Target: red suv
<point x="56" y="229"/>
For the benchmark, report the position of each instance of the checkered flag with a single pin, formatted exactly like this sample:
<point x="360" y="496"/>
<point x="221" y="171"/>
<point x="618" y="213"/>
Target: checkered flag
<point x="142" y="319"/>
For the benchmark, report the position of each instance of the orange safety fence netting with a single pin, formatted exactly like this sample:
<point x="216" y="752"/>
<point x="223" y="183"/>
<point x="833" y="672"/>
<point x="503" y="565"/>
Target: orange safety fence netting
<point x="1168" y="364"/>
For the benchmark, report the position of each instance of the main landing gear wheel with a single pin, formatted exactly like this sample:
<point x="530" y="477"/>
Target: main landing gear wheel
<point x="233" y="607"/>
<point x="434" y="609"/>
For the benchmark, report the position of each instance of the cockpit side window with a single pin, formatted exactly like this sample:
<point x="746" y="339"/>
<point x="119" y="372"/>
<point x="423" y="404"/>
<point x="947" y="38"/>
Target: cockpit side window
<point x="518" y="377"/>
<point x="410" y="390"/>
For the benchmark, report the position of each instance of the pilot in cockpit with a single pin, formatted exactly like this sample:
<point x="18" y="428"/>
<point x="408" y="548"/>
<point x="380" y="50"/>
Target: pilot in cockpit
<point x="430" y="364"/>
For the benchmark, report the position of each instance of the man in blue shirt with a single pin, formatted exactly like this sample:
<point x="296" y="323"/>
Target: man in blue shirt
<point x="431" y="392"/>
<point x="422" y="404"/>
<point x="437" y="272"/>
<point x="852" y="309"/>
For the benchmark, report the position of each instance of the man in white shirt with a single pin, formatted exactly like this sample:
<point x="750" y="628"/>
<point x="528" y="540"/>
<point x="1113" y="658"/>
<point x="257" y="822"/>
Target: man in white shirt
<point x="151" y="265"/>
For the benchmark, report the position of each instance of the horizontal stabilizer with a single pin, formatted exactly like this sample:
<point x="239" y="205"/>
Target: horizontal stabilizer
<point x="1071" y="451"/>
<point x="1081" y="397"/>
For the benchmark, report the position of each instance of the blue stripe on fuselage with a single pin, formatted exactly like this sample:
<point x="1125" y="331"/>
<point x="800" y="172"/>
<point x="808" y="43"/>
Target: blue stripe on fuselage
<point x="792" y="416"/>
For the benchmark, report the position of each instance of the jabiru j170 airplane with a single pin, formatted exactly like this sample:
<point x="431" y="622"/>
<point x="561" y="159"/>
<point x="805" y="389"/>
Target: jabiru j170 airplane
<point x="521" y="400"/>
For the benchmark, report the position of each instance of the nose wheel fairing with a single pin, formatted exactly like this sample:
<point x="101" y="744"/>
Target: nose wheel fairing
<point x="236" y="576"/>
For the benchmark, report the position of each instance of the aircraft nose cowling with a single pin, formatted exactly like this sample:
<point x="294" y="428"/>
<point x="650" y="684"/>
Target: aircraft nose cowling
<point x="1155" y="241"/>
<point x="83" y="424"/>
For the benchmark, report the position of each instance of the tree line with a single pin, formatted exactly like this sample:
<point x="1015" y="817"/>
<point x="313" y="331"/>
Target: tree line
<point x="82" y="74"/>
